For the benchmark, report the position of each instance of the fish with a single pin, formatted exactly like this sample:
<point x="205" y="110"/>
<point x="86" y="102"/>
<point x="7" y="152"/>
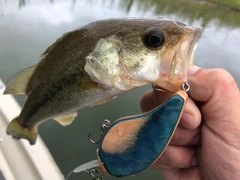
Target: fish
<point x="97" y="62"/>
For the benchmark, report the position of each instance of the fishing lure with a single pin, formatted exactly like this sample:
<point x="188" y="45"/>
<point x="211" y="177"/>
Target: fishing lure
<point x="131" y="144"/>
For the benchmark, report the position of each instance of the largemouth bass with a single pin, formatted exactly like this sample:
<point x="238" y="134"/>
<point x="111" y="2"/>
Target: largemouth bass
<point x="97" y="62"/>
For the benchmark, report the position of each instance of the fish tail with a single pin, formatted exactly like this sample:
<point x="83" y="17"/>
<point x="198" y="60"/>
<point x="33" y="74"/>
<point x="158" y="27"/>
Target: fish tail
<point x="17" y="131"/>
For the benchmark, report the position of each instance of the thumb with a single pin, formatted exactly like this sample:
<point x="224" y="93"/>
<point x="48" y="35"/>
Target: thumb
<point x="213" y="85"/>
<point x="219" y="98"/>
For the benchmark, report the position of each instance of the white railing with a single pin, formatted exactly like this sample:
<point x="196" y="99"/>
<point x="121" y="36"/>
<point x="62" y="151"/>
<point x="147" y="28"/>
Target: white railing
<point x="18" y="159"/>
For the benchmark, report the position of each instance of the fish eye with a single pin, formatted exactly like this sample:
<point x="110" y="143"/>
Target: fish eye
<point x="154" y="37"/>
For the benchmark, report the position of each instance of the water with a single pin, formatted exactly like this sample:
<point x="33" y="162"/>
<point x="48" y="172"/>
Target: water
<point x="27" y="28"/>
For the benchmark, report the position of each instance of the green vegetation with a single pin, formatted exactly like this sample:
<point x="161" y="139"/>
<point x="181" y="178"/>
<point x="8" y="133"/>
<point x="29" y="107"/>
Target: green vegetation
<point x="223" y="12"/>
<point x="231" y="4"/>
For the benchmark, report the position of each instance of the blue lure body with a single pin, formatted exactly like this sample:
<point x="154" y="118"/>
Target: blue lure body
<point x="131" y="144"/>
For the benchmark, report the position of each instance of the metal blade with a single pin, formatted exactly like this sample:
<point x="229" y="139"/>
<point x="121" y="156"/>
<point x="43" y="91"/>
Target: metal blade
<point x="87" y="166"/>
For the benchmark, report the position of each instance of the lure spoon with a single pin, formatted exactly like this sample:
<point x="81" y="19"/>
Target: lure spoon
<point x="131" y="144"/>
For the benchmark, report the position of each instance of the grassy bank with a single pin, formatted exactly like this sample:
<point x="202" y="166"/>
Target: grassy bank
<point x="222" y="12"/>
<point x="231" y="4"/>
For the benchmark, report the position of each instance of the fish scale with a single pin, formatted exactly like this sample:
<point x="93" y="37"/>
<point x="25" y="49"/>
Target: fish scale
<point x="97" y="62"/>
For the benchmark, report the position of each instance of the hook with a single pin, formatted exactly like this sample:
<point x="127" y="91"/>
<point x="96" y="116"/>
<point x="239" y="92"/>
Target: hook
<point x="92" y="141"/>
<point x="104" y="126"/>
<point x="95" y="173"/>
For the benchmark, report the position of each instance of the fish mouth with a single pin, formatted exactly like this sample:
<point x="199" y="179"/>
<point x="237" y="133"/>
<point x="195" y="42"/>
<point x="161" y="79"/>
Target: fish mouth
<point x="182" y="57"/>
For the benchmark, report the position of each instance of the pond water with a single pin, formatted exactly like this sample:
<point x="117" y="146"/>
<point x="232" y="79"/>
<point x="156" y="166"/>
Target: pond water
<point x="27" y="28"/>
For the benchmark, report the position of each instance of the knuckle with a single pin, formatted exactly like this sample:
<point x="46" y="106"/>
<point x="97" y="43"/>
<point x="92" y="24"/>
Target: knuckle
<point x="212" y="83"/>
<point x="220" y="76"/>
<point x="222" y="80"/>
<point x="177" y="157"/>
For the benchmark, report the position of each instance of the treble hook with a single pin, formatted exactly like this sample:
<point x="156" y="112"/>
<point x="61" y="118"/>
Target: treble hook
<point x="104" y="126"/>
<point x="92" y="141"/>
<point x="95" y="173"/>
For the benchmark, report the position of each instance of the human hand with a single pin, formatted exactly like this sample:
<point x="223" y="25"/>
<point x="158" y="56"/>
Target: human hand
<point x="206" y="144"/>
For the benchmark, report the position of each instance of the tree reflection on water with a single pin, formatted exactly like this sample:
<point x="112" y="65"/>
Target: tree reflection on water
<point x="226" y="14"/>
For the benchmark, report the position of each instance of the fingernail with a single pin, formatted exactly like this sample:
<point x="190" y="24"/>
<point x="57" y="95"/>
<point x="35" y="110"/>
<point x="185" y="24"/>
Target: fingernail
<point x="193" y="69"/>
<point x="195" y="161"/>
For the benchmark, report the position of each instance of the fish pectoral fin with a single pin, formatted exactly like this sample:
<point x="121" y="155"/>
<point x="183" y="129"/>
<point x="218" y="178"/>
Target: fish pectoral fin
<point x="102" y="101"/>
<point x="18" y="83"/>
<point x="66" y="120"/>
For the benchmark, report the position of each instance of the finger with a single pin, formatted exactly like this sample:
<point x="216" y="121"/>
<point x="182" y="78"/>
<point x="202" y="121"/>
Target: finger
<point x="160" y="96"/>
<point x="218" y="91"/>
<point x="191" y="117"/>
<point x="178" y="157"/>
<point x="183" y="174"/>
<point x="192" y="70"/>
<point x="153" y="98"/>
<point x="209" y="84"/>
<point x="146" y="103"/>
<point x="186" y="137"/>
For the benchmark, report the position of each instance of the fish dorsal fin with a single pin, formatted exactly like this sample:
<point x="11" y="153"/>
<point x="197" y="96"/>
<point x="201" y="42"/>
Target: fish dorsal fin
<point x="55" y="44"/>
<point x="18" y="83"/>
<point x="66" y="120"/>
